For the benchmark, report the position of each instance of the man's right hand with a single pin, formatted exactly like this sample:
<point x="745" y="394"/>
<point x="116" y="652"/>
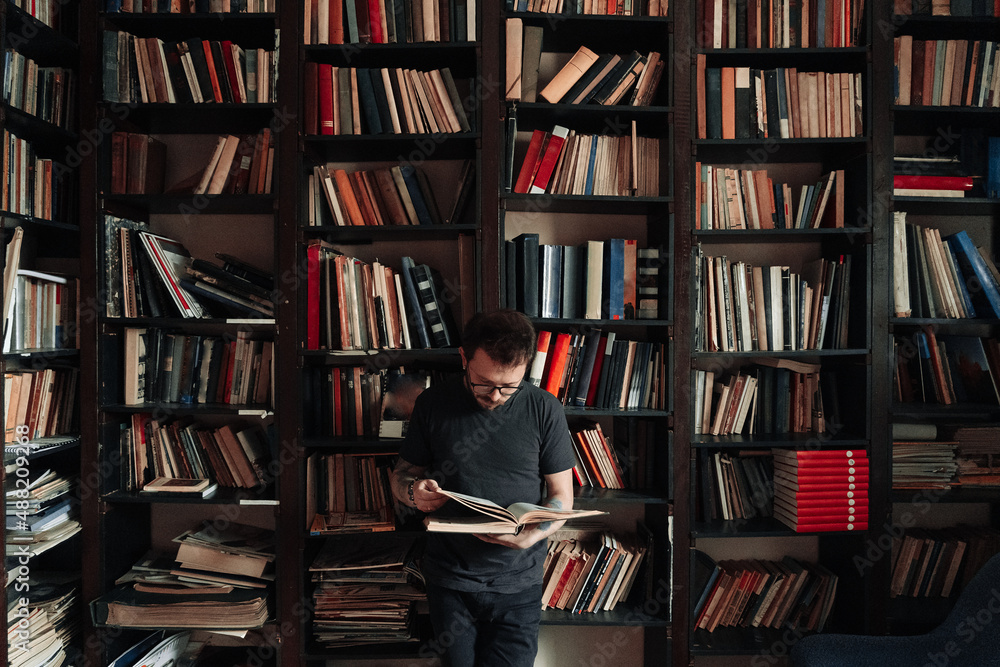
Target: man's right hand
<point x="427" y="496"/>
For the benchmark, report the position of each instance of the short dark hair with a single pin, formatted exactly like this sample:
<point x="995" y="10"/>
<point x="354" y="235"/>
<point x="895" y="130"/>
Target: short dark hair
<point x="507" y="336"/>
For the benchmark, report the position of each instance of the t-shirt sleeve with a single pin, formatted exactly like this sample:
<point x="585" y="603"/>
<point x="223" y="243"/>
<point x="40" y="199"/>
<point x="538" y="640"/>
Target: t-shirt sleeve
<point x="415" y="449"/>
<point x="557" y="448"/>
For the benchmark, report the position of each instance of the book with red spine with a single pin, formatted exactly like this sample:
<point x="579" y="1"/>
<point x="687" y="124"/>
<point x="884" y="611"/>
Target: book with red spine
<point x="541" y="353"/>
<point x="547" y="163"/>
<point x="556" y="364"/>
<point x="231" y="65"/>
<point x="531" y="161"/>
<point x="324" y="97"/>
<point x="927" y="182"/>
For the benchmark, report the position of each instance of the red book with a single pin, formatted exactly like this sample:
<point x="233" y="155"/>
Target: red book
<point x="932" y="182"/>
<point x="595" y="375"/>
<point x="531" y="160"/>
<point x="541" y="353"/>
<point x="840" y="513"/>
<point x="227" y="55"/>
<point x="229" y="361"/>
<point x="338" y="409"/>
<point x="831" y="468"/>
<point x="336" y="21"/>
<point x="557" y="364"/>
<point x="312" y="296"/>
<point x="374" y="18"/>
<point x="809" y="464"/>
<point x="548" y="161"/>
<point x="324" y="97"/>
<point x="212" y="74"/>
<point x="819" y="454"/>
<point x="563" y="578"/>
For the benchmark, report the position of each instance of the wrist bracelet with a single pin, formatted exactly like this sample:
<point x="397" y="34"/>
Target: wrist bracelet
<point x="409" y="490"/>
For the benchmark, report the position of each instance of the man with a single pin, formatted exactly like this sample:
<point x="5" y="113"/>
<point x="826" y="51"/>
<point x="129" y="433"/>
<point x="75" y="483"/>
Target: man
<point x="492" y="435"/>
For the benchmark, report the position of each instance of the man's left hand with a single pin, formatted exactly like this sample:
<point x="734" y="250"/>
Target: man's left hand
<point x="528" y="536"/>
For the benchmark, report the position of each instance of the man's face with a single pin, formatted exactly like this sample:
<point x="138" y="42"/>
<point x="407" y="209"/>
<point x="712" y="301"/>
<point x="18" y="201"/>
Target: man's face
<point x="491" y="384"/>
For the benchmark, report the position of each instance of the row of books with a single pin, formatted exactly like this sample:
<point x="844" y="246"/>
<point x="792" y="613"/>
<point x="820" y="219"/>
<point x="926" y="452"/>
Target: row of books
<point x="934" y="368"/>
<point x="238" y="165"/>
<point x="735" y="486"/>
<point x="366" y="590"/>
<point x="42" y="314"/>
<point x="354" y="401"/>
<point x="348" y="494"/>
<point x="750" y="199"/>
<point x="147" y="69"/>
<point x="356" y="305"/>
<point x="597" y="460"/>
<point x="39" y="403"/>
<point x="930" y="562"/>
<point x="397" y="195"/>
<point x="974" y="172"/>
<point x="148" y="275"/>
<point x="590" y="573"/>
<point x="601" y="370"/>
<point x="978" y="455"/>
<point x="592" y="7"/>
<point x="744" y="308"/>
<point x="946" y="7"/>
<point x="154" y="450"/>
<point x="588" y="77"/>
<point x="612" y="279"/>
<point x="388" y="21"/>
<point x="817" y="490"/>
<point x="754" y="593"/>
<point x="564" y="162"/>
<point x="46" y="11"/>
<point x="223" y="573"/>
<point x="191" y="6"/>
<point x="162" y="366"/>
<point x="33" y="186"/>
<point x="776" y="397"/>
<point x="946" y="72"/>
<point x="771" y="24"/>
<point x="941" y="277"/>
<point x="48" y="93"/>
<point x="780" y="103"/>
<point x="383" y="100"/>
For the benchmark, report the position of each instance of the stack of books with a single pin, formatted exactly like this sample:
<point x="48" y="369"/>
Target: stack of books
<point x="41" y="515"/>
<point x="217" y="580"/>
<point x="765" y="594"/>
<point x="48" y="93"/>
<point x="821" y="490"/>
<point x="945" y="72"/>
<point x="365" y="590"/>
<point x="191" y="7"/>
<point x="597" y="461"/>
<point x="42" y="621"/>
<point x="388" y="21"/>
<point x="35" y="186"/>
<point x="39" y="403"/>
<point x="923" y="465"/>
<point x="756" y="24"/>
<point x="978" y="455"/>
<point x="589" y="573"/>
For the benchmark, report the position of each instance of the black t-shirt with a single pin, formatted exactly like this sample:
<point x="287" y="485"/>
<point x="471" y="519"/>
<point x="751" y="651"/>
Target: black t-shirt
<point x="500" y="455"/>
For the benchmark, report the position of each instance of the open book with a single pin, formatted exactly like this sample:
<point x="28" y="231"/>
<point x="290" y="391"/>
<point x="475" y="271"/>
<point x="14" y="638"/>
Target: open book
<point x="496" y="519"/>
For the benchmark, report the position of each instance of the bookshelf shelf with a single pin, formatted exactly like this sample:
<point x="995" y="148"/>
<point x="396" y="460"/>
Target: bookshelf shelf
<point x="592" y="495"/>
<point x="783" y="354"/>
<point x="192" y="409"/>
<point x="375" y="357"/>
<point x="223" y="496"/>
<point x="572" y="411"/>
<point x="337" y="234"/>
<point x="416" y="147"/>
<point x="624" y="615"/>
<point x="250" y="29"/>
<point x="848" y="234"/>
<point x="45" y="135"/>
<point x="746" y="528"/>
<point x="18" y="220"/>
<point x="982" y="494"/>
<point x="739" y="641"/>
<point x="41" y="355"/>
<point x="957" y="412"/>
<point x="808" y="440"/>
<point x="223" y="118"/>
<point x="529" y="203"/>
<point x="189" y="204"/>
<point x="352" y="445"/>
<point x="947" y="205"/>
<point x="191" y="323"/>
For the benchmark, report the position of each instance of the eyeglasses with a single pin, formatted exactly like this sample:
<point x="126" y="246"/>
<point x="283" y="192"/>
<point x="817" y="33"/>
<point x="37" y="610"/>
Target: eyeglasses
<point x="487" y="389"/>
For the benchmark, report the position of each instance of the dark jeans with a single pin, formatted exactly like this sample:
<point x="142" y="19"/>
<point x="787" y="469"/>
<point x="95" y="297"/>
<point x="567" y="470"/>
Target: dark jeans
<point x="485" y="629"/>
